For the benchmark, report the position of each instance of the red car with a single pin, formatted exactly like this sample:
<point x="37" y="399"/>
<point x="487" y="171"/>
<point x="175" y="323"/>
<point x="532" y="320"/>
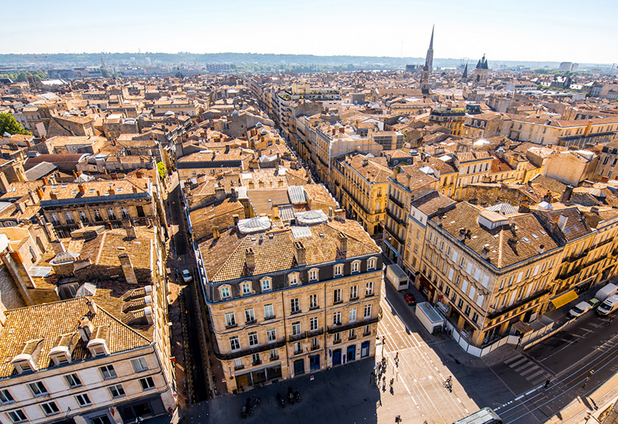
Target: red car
<point x="409" y="298"/>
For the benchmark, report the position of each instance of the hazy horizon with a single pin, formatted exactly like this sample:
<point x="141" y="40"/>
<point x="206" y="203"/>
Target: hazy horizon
<point x="526" y="30"/>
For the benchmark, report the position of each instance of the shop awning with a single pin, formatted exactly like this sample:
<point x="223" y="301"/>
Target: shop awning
<point x="522" y="327"/>
<point x="560" y="301"/>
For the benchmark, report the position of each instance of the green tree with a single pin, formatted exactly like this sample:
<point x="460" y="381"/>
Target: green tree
<point x="162" y="170"/>
<point x="10" y="125"/>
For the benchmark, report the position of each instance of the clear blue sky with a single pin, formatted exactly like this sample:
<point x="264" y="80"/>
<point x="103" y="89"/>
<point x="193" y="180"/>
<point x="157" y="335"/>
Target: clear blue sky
<point x="584" y="32"/>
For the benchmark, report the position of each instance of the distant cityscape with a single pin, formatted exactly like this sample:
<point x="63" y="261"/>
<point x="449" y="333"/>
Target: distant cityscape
<point x="230" y="238"/>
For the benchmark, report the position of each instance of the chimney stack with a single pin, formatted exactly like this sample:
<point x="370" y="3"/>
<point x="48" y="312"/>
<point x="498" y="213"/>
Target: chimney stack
<point x="250" y="258"/>
<point x="275" y="211"/>
<point x="85" y="328"/>
<point x="562" y="222"/>
<point x="343" y="242"/>
<point x="39" y="192"/>
<point x="127" y="268"/>
<point x="130" y="229"/>
<point x="215" y="232"/>
<point x="541" y="249"/>
<point x="300" y="253"/>
<point x="485" y="252"/>
<point x="53" y="195"/>
<point x="92" y="307"/>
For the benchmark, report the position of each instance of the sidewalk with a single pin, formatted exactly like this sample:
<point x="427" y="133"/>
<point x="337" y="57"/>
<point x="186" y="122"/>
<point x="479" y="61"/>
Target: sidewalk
<point x="596" y="403"/>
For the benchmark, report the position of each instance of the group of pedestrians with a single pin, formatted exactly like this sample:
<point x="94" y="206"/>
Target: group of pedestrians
<point x="379" y="373"/>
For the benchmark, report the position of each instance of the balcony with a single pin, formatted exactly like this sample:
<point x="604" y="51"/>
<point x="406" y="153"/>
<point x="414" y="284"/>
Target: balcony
<point x="352" y="337"/>
<point x="297" y="337"/>
<point x="315" y="347"/>
<point x="353" y="298"/>
<point x="296" y="311"/>
<point x="315" y="333"/>
<point x="313" y="308"/>
<point x="251" y="321"/>
<point x="395" y="201"/>
<point x="338" y="328"/>
<point x="394" y="218"/>
<point x="231" y="325"/>
<point x="270" y="317"/>
<point x="239" y="366"/>
<point x="246" y="352"/>
<point x="337" y="341"/>
<point x="257" y="362"/>
<point x="274" y="357"/>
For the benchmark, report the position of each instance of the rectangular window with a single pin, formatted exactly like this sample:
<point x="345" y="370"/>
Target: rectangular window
<point x="249" y="316"/>
<point x="313" y="324"/>
<point x="38" y="388"/>
<point x="253" y="338"/>
<point x="298" y="348"/>
<point x="246" y="288"/>
<point x="313" y="301"/>
<point x="139" y="364"/>
<point x="108" y="372"/>
<point x="271" y="335"/>
<point x="274" y="355"/>
<point x="337" y="318"/>
<point x="367" y="313"/>
<point x="230" y="319"/>
<point x="467" y="311"/>
<point x="83" y="400"/>
<point x="295" y="305"/>
<point x="17" y="416"/>
<point x="296" y="328"/>
<point x="336" y="338"/>
<point x="50" y="408"/>
<point x="353" y="315"/>
<point x="337" y="296"/>
<point x="269" y="312"/>
<point x="369" y="289"/>
<point x="234" y="343"/>
<point x="256" y="359"/>
<point x="353" y="292"/>
<point x="5" y="397"/>
<point x="73" y="380"/>
<point x="352" y="334"/>
<point x="315" y="344"/>
<point x="147" y="383"/>
<point x="116" y="391"/>
<point x="293" y="278"/>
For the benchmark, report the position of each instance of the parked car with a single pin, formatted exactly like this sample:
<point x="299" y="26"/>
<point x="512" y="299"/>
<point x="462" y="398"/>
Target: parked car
<point x="186" y="276"/>
<point x="580" y="309"/>
<point x="594" y="302"/>
<point x="409" y="298"/>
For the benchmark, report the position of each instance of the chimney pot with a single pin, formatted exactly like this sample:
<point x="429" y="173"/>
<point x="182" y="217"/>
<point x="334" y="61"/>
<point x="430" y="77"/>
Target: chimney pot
<point x="250" y="258"/>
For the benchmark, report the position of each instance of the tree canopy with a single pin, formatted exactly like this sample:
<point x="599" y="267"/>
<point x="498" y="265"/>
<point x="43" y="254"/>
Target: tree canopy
<point x="9" y="124"/>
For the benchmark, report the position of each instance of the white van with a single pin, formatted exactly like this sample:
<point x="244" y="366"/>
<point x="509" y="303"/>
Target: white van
<point x="608" y="306"/>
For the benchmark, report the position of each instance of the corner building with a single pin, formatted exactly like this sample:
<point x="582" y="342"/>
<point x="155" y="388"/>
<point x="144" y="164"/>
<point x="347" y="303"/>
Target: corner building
<point x="289" y="300"/>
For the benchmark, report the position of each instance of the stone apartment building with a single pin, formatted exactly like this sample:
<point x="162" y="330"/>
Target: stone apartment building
<point x="289" y="300"/>
<point x="487" y="270"/>
<point x="405" y="185"/>
<point x="361" y="186"/>
<point x="73" y="361"/>
<point x="114" y="203"/>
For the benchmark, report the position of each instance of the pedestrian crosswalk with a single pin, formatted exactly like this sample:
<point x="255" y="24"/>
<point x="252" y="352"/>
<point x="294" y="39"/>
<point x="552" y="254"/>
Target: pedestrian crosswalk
<point x="527" y="369"/>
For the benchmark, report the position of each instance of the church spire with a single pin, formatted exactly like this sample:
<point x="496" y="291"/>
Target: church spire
<point x="429" y="58"/>
<point x="465" y="72"/>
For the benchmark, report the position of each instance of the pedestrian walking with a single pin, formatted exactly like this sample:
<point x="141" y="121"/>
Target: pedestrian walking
<point x="398" y="419"/>
<point x="588" y="379"/>
<point x="547" y="382"/>
<point x="609" y="320"/>
<point x="396" y="356"/>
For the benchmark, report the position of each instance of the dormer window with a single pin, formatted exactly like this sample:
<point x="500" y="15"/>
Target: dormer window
<point x="60" y="355"/>
<point x="371" y="264"/>
<point x="266" y="284"/>
<point x="245" y="288"/>
<point x="356" y="266"/>
<point x="98" y="344"/>
<point x="293" y="278"/>
<point x="313" y="274"/>
<point x="225" y="292"/>
<point x="339" y="270"/>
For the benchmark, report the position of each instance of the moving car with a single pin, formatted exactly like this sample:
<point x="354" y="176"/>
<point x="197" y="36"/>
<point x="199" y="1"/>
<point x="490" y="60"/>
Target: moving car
<point x="409" y="298"/>
<point x="186" y="276"/>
